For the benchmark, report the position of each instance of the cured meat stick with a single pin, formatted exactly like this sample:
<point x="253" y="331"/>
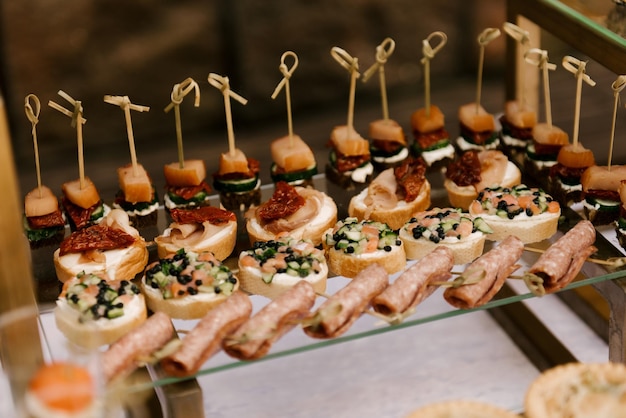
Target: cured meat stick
<point x="337" y="314"/>
<point x="562" y="261"/>
<point x="413" y="286"/>
<point x="124" y="355"/>
<point x="205" y="339"/>
<point x="485" y="276"/>
<point x="255" y="337"/>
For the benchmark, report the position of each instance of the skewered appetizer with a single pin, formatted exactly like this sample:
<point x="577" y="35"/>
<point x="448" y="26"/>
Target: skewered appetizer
<point x="447" y="227"/>
<point x="270" y="268"/>
<point x="199" y="229"/>
<point x="349" y="157"/>
<point x="293" y="161"/>
<point x="113" y="246"/>
<point x="394" y="195"/>
<point x="517" y="125"/>
<point x="478" y="128"/>
<point x="541" y="154"/>
<point x="93" y="310"/>
<point x="620" y="224"/>
<point x="185" y="186"/>
<point x="187" y="284"/>
<point x="237" y="181"/>
<point x="602" y="188"/>
<point x="137" y="196"/>
<point x="432" y="141"/>
<point x="388" y="146"/>
<point x="564" y="179"/>
<point x="473" y="171"/>
<point x="44" y="223"/>
<point x="528" y="213"/>
<point x="298" y="212"/>
<point x="82" y="203"/>
<point x="352" y="245"/>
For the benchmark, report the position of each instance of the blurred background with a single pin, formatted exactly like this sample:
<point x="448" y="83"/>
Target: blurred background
<point x="142" y="48"/>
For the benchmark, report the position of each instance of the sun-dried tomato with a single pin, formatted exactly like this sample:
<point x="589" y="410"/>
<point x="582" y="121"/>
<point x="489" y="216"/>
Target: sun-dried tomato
<point x="95" y="237"/>
<point x="284" y="202"/>
<point x="212" y="214"/>
<point x="410" y="176"/>
<point x="466" y="170"/>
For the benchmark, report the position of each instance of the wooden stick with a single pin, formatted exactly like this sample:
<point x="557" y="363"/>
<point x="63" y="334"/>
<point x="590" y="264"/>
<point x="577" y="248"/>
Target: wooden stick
<point x="33" y="117"/>
<point x="179" y="92"/>
<point x="539" y="57"/>
<point x="429" y="53"/>
<point x="383" y="52"/>
<point x="523" y="38"/>
<point x="617" y="261"/>
<point x="222" y="84"/>
<point x="617" y="86"/>
<point x="352" y="65"/>
<point x="126" y="105"/>
<point x="577" y="67"/>
<point x="77" y="122"/>
<point x="287" y="72"/>
<point x="484" y="39"/>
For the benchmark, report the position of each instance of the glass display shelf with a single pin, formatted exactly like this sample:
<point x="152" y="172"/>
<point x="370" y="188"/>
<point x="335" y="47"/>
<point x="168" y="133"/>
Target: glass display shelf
<point x="296" y="341"/>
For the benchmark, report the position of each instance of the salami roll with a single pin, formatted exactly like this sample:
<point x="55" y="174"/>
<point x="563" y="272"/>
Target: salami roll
<point x="337" y="314"/>
<point x="413" y="286"/>
<point x="486" y="275"/>
<point x="205" y="339"/>
<point x="255" y="337"/>
<point x="562" y="261"/>
<point x="126" y="354"/>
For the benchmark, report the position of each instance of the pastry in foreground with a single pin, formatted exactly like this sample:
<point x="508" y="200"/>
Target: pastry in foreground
<point x="529" y="213"/>
<point x="352" y="245"/>
<point x="270" y="268"/>
<point x="461" y="409"/>
<point x="113" y="246"/>
<point x="473" y="171"/>
<point x="578" y="390"/>
<point x="298" y="212"/>
<point x="187" y="285"/>
<point x="44" y="223"/>
<point x="463" y="234"/>
<point x="93" y="310"/>
<point x="394" y="195"/>
<point x="199" y="229"/>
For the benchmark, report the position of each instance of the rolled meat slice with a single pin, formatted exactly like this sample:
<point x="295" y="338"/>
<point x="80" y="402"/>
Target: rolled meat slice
<point x="485" y="276"/>
<point x="205" y="339"/>
<point x="126" y="354"/>
<point x="255" y="337"/>
<point x="413" y="286"/>
<point x="337" y="314"/>
<point x="562" y="261"/>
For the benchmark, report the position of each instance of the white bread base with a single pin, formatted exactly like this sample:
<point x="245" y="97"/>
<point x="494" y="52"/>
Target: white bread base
<point x="93" y="334"/>
<point x="252" y="282"/>
<point x="395" y="218"/>
<point x="462" y="196"/>
<point x="120" y="264"/>
<point x="187" y="307"/>
<point x="349" y="265"/>
<point x="312" y="231"/>
<point x="221" y="242"/>
<point x="465" y="251"/>
<point x="528" y="229"/>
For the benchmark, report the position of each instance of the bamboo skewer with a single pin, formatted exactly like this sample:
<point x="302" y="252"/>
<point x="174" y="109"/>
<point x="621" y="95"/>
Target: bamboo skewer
<point x="33" y="117"/>
<point x="222" y="84"/>
<point x="484" y="39"/>
<point x="77" y="122"/>
<point x="179" y="92"/>
<point x="523" y="38"/>
<point x="383" y="52"/>
<point x="429" y="53"/>
<point x="287" y="73"/>
<point x="617" y="86"/>
<point x="352" y="65"/>
<point x="539" y="57"/>
<point x="126" y="105"/>
<point x="577" y="67"/>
